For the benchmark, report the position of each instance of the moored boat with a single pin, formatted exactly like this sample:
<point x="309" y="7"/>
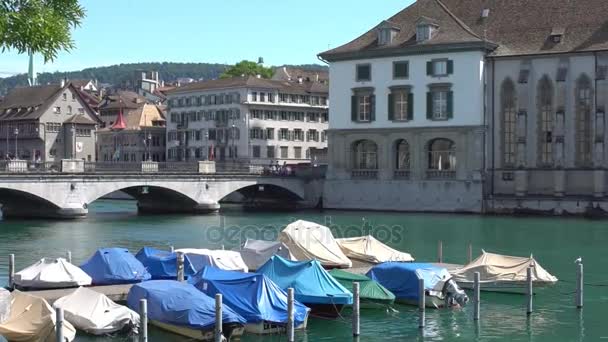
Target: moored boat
<point x="163" y="264"/>
<point x="51" y="274"/>
<point x="222" y="259"/>
<point x="369" y="249"/>
<point x="255" y="253"/>
<point x="371" y="294"/>
<point x="111" y="266"/>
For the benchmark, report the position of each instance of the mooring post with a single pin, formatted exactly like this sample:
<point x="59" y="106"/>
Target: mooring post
<point x="180" y="266"/>
<point x="69" y="256"/>
<point x="172" y="249"/>
<point x="218" y="318"/>
<point x="476" y="296"/>
<point x="470" y="253"/>
<point x="530" y="291"/>
<point x="11" y="271"/>
<point x="291" y="337"/>
<point x="421" y="303"/>
<point x="59" y="325"/>
<point x="579" y="285"/>
<point x="356" y="310"/>
<point x="143" y="320"/>
<point x="222" y="247"/>
<point x="440" y="252"/>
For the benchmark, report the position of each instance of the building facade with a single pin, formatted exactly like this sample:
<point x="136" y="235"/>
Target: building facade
<point x="247" y="118"/>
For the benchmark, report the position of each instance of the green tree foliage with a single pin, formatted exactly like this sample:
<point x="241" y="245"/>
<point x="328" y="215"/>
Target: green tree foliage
<point x="247" y="68"/>
<point x="39" y="26"/>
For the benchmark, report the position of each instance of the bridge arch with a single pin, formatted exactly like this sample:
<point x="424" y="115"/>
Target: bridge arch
<point x="24" y="203"/>
<point x="294" y="189"/>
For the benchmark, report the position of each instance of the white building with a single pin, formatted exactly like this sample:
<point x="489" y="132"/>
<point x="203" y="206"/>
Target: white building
<point x="247" y="118"/>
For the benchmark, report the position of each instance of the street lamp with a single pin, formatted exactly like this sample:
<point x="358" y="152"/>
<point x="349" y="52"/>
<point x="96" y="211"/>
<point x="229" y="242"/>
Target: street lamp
<point x="148" y="139"/>
<point x="207" y="144"/>
<point x="73" y="130"/>
<point x="233" y="136"/>
<point x="16" y="139"/>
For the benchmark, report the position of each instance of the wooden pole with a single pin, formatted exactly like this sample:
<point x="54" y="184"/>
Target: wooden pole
<point x="69" y="256"/>
<point x="356" y="310"/>
<point x="421" y="303"/>
<point x="290" y="316"/>
<point x="476" y="296"/>
<point x="440" y="252"/>
<point x="530" y="291"/>
<point x="180" y="267"/>
<point x="143" y="319"/>
<point x="59" y="325"/>
<point x="218" y="318"/>
<point x="579" y="285"/>
<point x="470" y="253"/>
<point x="11" y="271"/>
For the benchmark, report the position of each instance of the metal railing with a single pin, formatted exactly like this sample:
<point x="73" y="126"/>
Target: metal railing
<point x="401" y="174"/>
<point x="440" y="174"/>
<point x="364" y="174"/>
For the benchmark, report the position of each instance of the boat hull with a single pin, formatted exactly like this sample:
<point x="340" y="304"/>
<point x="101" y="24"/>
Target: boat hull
<point x="514" y="287"/>
<point x="432" y="302"/>
<point x="232" y="331"/>
<point x="330" y="311"/>
<point x="269" y="328"/>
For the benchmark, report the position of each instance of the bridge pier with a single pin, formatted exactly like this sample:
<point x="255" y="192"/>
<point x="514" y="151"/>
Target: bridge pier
<point x="47" y="212"/>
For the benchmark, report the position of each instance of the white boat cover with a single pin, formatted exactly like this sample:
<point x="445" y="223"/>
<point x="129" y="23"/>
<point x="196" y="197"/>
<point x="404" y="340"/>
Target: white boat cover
<point x="95" y="313"/>
<point x="222" y="259"/>
<point x="502" y="268"/>
<point x="32" y="320"/>
<point x="369" y="249"/>
<point x="309" y="240"/>
<point x="5" y="304"/>
<point x="255" y="253"/>
<point x="51" y="273"/>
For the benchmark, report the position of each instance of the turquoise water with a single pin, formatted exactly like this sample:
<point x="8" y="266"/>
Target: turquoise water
<point x="555" y="243"/>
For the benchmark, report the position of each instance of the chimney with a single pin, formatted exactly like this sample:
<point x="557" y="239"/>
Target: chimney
<point x="258" y="76"/>
<point x="317" y="78"/>
<point x="300" y="79"/>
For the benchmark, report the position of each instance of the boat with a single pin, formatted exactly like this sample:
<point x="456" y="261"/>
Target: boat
<point x="369" y="249"/>
<point x="222" y="259"/>
<point x="401" y="278"/>
<point x="181" y="308"/>
<point x="111" y="266"/>
<point x="371" y="294"/>
<point x="163" y="264"/>
<point x="51" y="274"/>
<point x="32" y="319"/>
<point x="312" y="285"/>
<point x="503" y="273"/>
<point x="255" y="253"/>
<point x="5" y="304"/>
<point x="254" y="296"/>
<point x="96" y="314"/>
<point x="309" y="240"/>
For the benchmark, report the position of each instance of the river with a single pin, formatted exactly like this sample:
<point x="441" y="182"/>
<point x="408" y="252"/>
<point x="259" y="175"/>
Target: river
<point x="555" y="243"/>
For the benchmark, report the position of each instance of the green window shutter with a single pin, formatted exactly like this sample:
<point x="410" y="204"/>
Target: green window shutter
<point x="391" y="107"/>
<point x="407" y="69"/>
<point x="410" y="106"/>
<point x="450" y="66"/>
<point x="429" y="68"/>
<point x="353" y="108"/>
<point x="450" y="104"/>
<point x="372" y="104"/>
<point x="429" y="105"/>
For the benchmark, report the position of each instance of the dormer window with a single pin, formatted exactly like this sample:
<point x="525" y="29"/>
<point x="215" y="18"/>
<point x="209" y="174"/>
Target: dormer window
<point x="425" y="27"/>
<point x="557" y="34"/>
<point x="387" y="33"/>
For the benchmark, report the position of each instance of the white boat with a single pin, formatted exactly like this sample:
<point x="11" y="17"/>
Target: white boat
<point x="32" y="319"/>
<point x="312" y="241"/>
<point x="51" y="274"/>
<point x="503" y="273"/>
<point x="222" y="259"/>
<point x="369" y="249"/>
<point x="95" y="313"/>
<point x="256" y="253"/>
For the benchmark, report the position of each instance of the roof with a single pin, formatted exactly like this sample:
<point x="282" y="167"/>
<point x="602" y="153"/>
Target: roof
<point x="79" y="119"/>
<point x="514" y="27"/>
<point x="138" y="118"/>
<point x="252" y="82"/>
<point x="286" y="73"/>
<point x="122" y="99"/>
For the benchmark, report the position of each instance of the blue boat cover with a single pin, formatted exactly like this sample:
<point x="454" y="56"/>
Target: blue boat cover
<point x="180" y="304"/>
<point x="252" y="295"/>
<point x="311" y="283"/>
<point x="110" y="266"/>
<point x="163" y="264"/>
<point x="402" y="278"/>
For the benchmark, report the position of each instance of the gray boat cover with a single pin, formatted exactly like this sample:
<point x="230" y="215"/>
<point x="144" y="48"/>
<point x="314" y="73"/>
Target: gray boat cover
<point x="51" y="273"/>
<point x="255" y="253"/>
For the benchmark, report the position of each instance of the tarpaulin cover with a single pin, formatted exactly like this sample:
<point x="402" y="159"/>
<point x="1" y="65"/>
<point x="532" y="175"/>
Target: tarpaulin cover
<point x="5" y="304"/>
<point x="309" y="240"/>
<point x="32" y="320"/>
<point x="180" y="304"/>
<point x="368" y="289"/>
<point x="252" y="295"/>
<point x="369" y="249"/>
<point x="95" y="313"/>
<point x="255" y="253"/>
<point x="225" y="260"/>
<point x="109" y="266"/>
<point x="402" y="278"/>
<point x="51" y="273"/>
<point x="497" y="268"/>
<point x="163" y="264"/>
<point x="311" y="283"/>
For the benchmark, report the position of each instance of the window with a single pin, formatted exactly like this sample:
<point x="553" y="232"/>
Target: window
<point x="364" y="72"/>
<point x="297" y="152"/>
<point x="212" y="134"/>
<point x="423" y="32"/>
<point x="365" y="155"/>
<point x="509" y="123"/>
<point x="363" y="107"/>
<point x="400" y="69"/>
<point x="270" y="133"/>
<point x="545" y="125"/>
<point x="269" y="151"/>
<point x="81" y="111"/>
<point x="271" y="97"/>
<point x="283" y="134"/>
<point x="64" y="96"/>
<point x="254" y="96"/>
<point x="256" y="133"/>
<point x="439" y="102"/>
<point x="69" y="110"/>
<point x="262" y="97"/>
<point x="57" y="110"/>
<point x="313" y="117"/>
<point x="256" y="114"/>
<point x="583" y="121"/>
<point x="400" y="104"/>
<point x="298" y="135"/>
<point x="284" y="152"/>
<point x="439" y="67"/>
<point x="284" y="115"/>
<point x="256" y="151"/>
<point x="442" y="155"/>
<point x="402" y="155"/>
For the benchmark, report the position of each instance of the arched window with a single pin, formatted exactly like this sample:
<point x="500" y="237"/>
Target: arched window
<point x="583" y="121"/>
<point x="69" y="109"/>
<point x="402" y="155"/>
<point x="509" y="123"/>
<point x="442" y="155"/>
<point x="545" y="119"/>
<point x="366" y="155"/>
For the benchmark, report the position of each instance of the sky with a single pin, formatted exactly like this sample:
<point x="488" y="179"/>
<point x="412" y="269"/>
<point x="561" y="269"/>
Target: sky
<point x="225" y="31"/>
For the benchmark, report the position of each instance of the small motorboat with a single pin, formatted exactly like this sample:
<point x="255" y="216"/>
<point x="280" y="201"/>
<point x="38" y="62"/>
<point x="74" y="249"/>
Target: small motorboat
<point x="313" y="286"/>
<point x="309" y="240"/>
<point x="503" y="273"/>
<point x="32" y="319"/>
<point x="369" y="249"/>
<point x="402" y="279"/>
<point x="371" y="294"/>
<point x="163" y="264"/>
<point x="255" y="253"/>
<point x="222" y="259"/>
<point x="254" y="296"/>
<point x="111" y="266"/>
<point x="182" y="309"/>
<point x="51" y="274"/>
<point x="96" y="314"/>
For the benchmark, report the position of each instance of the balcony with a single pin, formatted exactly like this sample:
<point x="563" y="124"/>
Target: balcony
<point x="364" y="174"/>
<point x="401" y="174"/>
<point x="440" y="174"/>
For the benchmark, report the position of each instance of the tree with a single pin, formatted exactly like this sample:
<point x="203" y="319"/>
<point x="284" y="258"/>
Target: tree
<point x="39" y="26"/>
<point x="247" y="68"/>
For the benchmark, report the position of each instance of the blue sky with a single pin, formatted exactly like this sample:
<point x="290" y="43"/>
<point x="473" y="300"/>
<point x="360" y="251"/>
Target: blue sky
<point x="225" y="31"/>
